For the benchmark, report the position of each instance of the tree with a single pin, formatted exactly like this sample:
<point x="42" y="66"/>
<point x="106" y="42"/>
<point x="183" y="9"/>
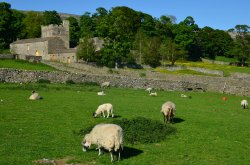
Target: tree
<point x="5" y="25"/>
<point x="51" y="17"/>
<point x="32" y="23"/>
<point x="151" y="52"/>
<point x="86" y="50"/>
<point x="74" y="31"/>
<point x="86" y="25"/>
<point x="171" y="51"/>
<point x="214" y="42"/>
<point x="241" y="48"/>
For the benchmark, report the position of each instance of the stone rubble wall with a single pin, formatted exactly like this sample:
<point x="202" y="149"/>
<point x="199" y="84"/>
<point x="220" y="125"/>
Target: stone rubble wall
<point x="228" y="85"/>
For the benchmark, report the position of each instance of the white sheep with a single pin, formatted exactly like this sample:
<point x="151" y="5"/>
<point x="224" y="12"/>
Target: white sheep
<point x="153" y="94"/>
<point x="244" y="104"/>
<point x="168" y="110"/>
<point x="34" y="96"/>
<point x="105" y="136"/>
<point x="107" y="107"/>
<point x="105" y="84"/>
<point x="101" y="93"/>
<point x="149" y="90"/>
<point x="185" y="96"/>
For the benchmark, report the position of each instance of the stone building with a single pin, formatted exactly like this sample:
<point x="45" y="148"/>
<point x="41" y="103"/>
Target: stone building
<point x="52" y="46"/>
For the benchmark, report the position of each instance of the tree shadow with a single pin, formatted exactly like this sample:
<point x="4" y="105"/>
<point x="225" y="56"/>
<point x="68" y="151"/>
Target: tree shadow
<point x="130" y="152"/>
<point x="178" y="120"/>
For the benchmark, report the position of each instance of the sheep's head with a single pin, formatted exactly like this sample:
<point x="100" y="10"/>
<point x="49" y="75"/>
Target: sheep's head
<point x="85" y="143"/>
<point x="94" y="115"/>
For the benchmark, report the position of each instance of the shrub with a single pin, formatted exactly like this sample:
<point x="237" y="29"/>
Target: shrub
<point x="44" y="81"/>
<point x="139" y="130"/>
<point x="70" y="82"/>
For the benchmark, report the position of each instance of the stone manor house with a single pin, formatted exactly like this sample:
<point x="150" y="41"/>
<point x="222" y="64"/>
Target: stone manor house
<point x="52" y="46"/>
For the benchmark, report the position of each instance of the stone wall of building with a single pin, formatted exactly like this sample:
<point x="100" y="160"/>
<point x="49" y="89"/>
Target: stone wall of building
<point x="35" y="49"/>
<point x="61" y="31"/>
<point x="172" y="83"/>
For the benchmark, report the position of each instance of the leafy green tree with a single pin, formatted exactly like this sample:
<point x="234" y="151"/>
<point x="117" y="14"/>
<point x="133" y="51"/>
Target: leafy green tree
<point x="147" y="24"/>
<point x="17" y="25"/>
<point x="32" y="23"/>
<point x="74" y="31"/>
<point x="151" y="52"/>
<point x="51" y="17"/>
<point x="171" y="51"/>
<point x="241" y="48"/>
<point x="214" y="42"/>
<point x="86" y="25"/>
<point x="5" y="25"/>
<point x="185" y="34"/>
<point x="86" y="50"/>
<point x="164" y="27"/>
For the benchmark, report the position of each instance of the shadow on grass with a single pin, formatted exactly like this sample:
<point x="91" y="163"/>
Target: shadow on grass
<point x="117" y="116"/>
<point x="130" y="152"/>
<point x="178" y="120"/>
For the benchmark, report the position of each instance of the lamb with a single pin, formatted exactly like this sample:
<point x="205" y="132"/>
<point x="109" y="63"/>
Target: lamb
<point x="34" y="96"/>
<point x="105" y="136"/>
<point x="244" y="104"/>
<point x="101" y="93"/>
<point x="168" y="110"/>
<point x="149" y="90"/>
<point x="107" y="107"/>
<point x="153" y="94"/>
<point x="105" y="84"/>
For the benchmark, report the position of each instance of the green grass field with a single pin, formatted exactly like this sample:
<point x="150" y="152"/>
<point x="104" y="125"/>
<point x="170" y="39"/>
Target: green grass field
<point x="209" y="130"/>
<point x="21" y="64"/>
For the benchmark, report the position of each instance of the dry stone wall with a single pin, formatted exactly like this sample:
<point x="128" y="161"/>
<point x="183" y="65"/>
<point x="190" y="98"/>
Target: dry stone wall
<point x="229" y="85"/>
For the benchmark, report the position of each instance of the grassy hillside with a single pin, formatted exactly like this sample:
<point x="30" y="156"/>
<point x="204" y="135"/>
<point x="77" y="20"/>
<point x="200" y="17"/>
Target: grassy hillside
<point x="209" y="130"/>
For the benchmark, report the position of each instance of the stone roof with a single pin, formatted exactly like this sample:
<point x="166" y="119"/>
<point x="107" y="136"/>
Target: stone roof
<point x="33" y="40"/>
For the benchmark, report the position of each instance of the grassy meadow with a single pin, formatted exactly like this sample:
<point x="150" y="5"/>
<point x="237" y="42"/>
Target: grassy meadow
<point x="209" y="130"/>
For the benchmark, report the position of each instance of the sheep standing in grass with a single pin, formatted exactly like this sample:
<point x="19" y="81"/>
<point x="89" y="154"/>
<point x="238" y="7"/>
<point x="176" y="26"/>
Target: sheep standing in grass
<point x="105" y="85"/>
<point x="34" y="96"/>
<point x="149" y="90"/>
<point x="107" y="107"/>
<point x="244" y="104"/>
<point x="105" y="136"/>
<point x="168" y="110"/>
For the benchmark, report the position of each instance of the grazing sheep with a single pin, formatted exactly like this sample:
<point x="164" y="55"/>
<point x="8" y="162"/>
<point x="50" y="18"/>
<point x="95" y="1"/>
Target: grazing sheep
<point x="105" y="84"/>
<point x="149" y="90"/>
<point x="153" y="94"/>
<point x="101" y="93"/>
<point x="105" y="136"/>
<point x="107" y="107"/>
<point x="34" y="96"/>
<point x="168" y="110"/>
<point x="244" y="104"/>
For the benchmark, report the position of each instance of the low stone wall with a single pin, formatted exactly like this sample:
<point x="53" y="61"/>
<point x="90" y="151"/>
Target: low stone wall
<point x="172" y="83"/>
<point x="7" y="56"/>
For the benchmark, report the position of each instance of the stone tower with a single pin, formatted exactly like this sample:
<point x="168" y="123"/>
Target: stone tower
<point x="61" y="31"/>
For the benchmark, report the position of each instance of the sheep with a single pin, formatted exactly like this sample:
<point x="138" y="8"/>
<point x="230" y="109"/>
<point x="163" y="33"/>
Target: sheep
<point x="185" y="96"/>
<point x="34" y="96"/>
<point x="105" y="84"/>
<point x="153" y="94"/>
<point x="168" y="110"/>
<point x="149" y="90"/>
<point x="107" y="107"/>
<point x="101" y="93"/>
<point x="244" y="104"/>
<point x="105" y="136"/>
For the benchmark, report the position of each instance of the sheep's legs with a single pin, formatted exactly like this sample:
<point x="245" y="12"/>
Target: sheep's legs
<point x="100" y="151"/>
<point x="112" y="158"/>
<point x="108" y="115"/>
<point x="103" y="114"/>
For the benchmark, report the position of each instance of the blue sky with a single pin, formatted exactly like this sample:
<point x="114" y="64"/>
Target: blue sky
<point x="218" y="14"/>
